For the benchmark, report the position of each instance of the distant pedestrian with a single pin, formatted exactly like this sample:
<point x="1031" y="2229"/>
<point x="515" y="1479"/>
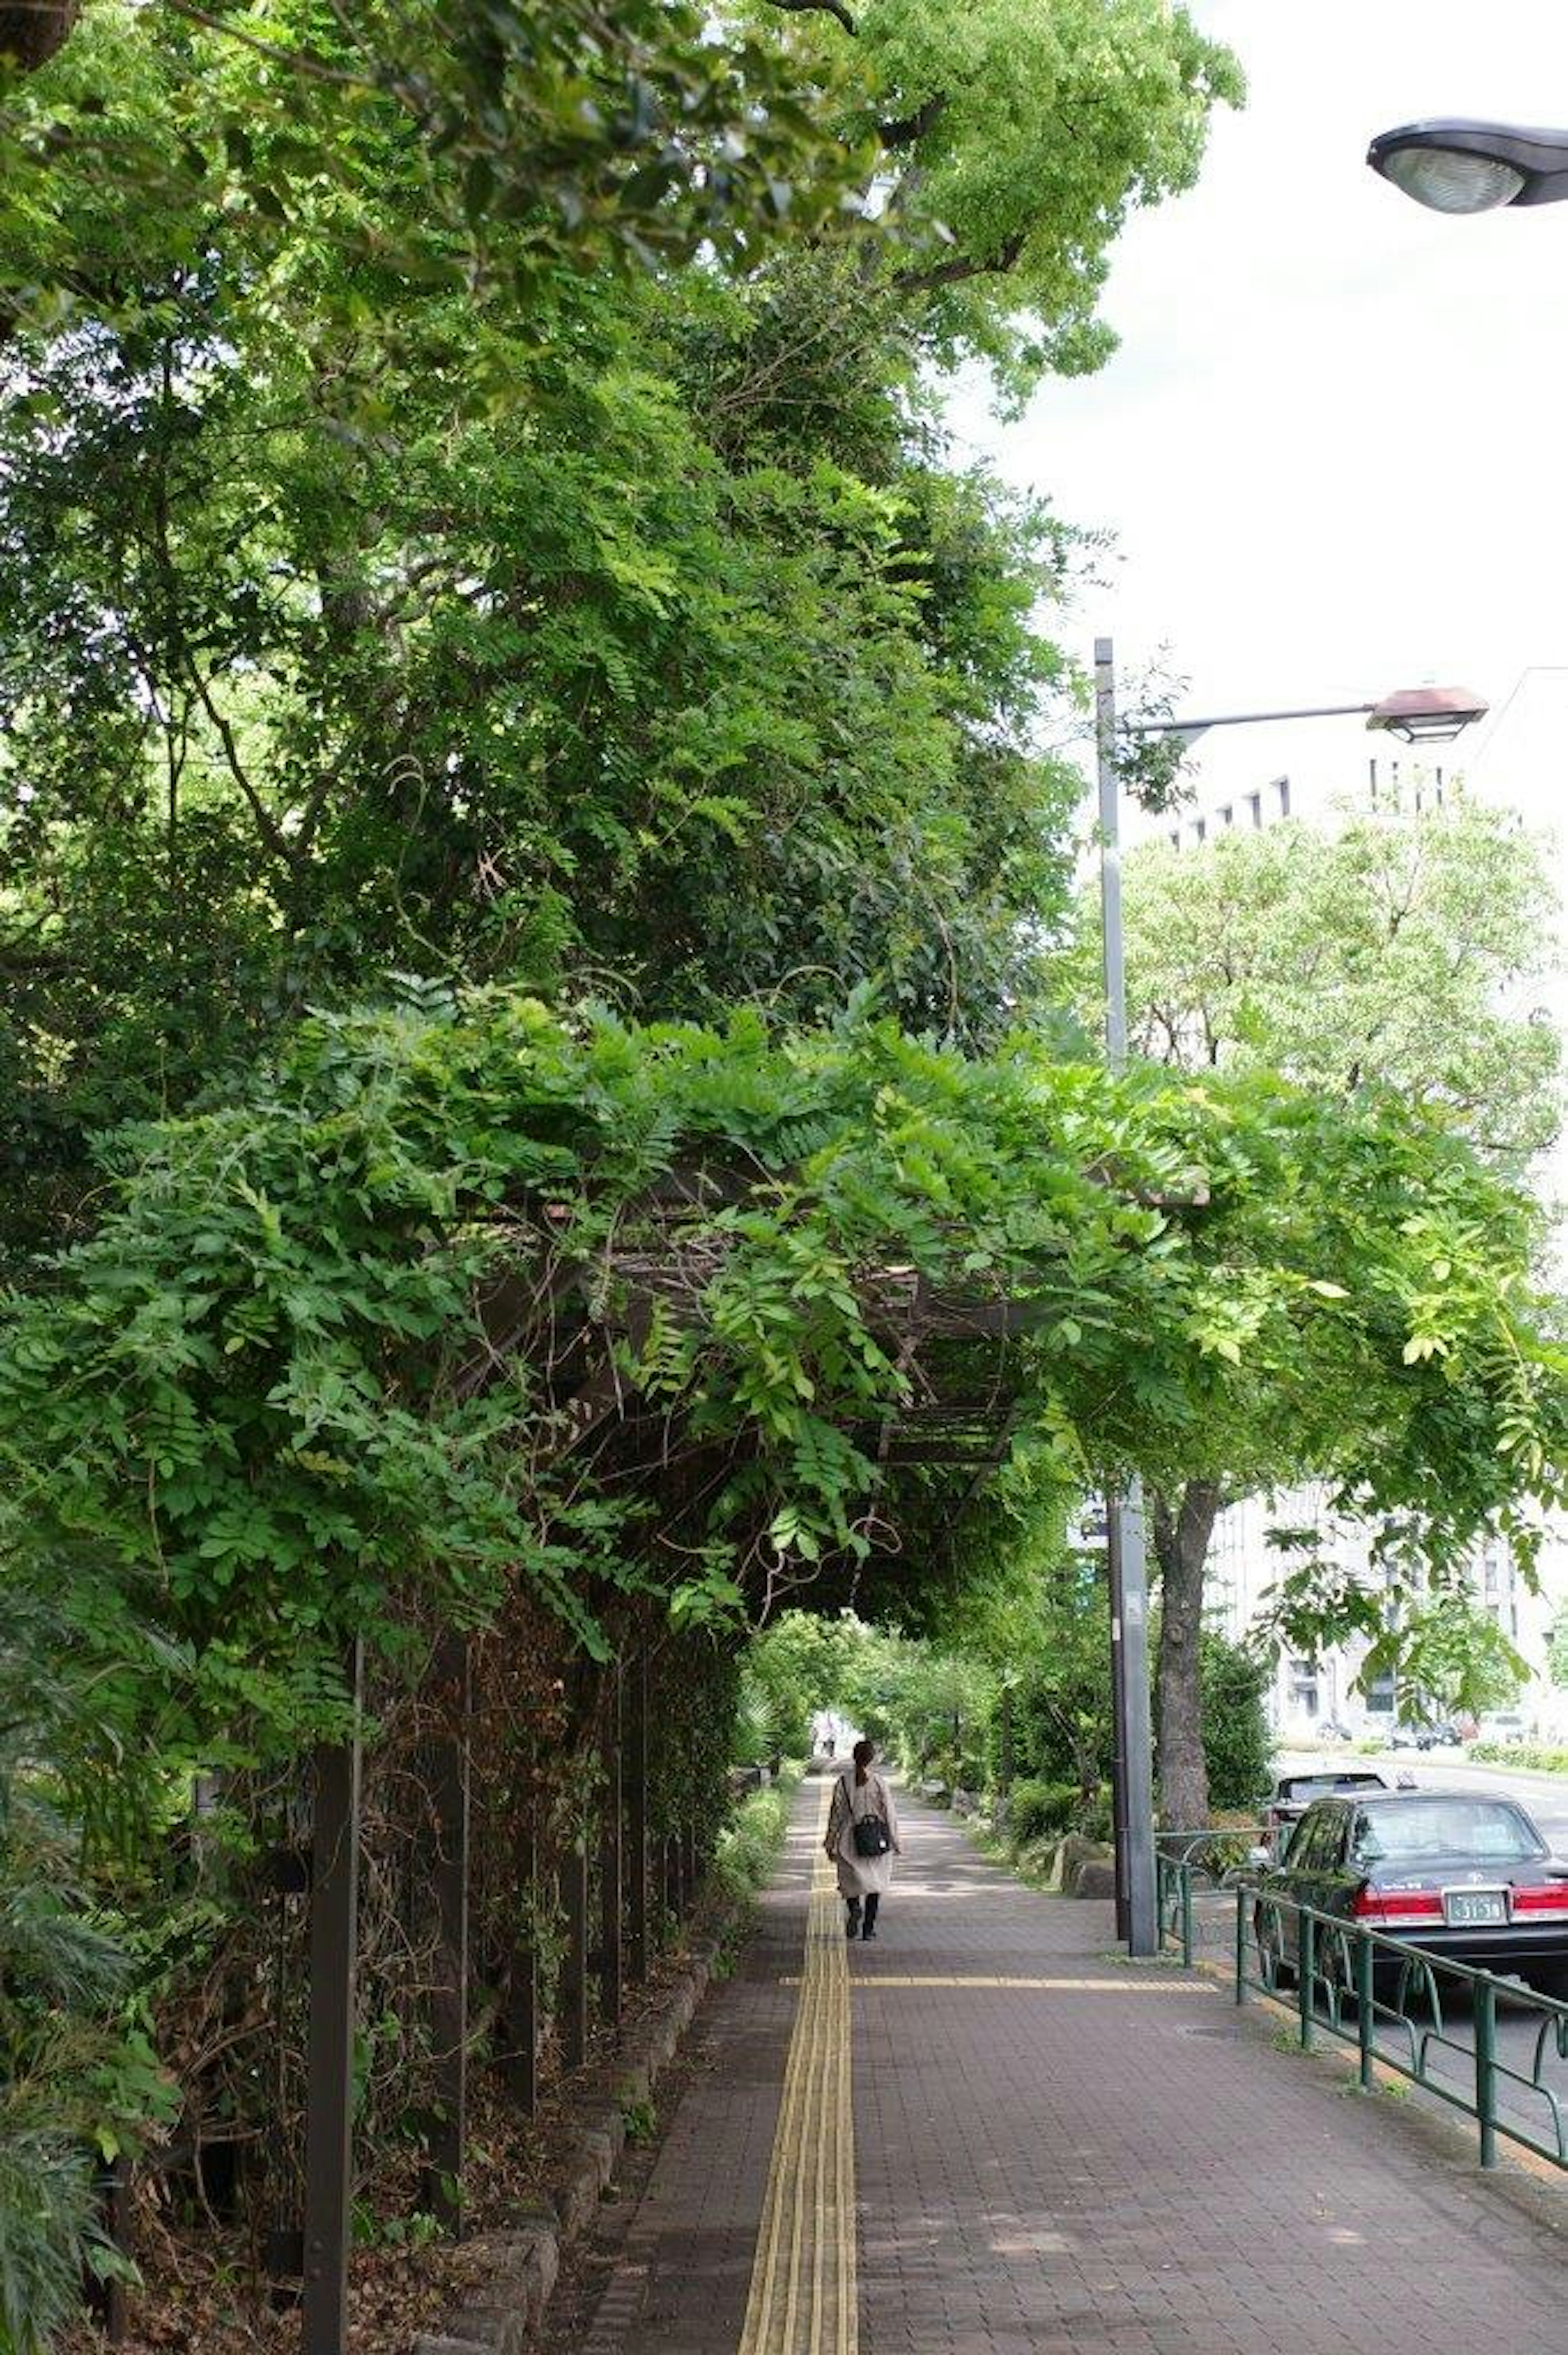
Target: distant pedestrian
<point x="863" y="1839"/>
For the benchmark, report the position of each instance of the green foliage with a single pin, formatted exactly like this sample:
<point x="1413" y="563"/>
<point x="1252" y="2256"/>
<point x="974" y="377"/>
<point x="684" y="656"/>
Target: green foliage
<point x="641" y="2122"/>
<point x="519" y="141"/>
<point x="1237" y="1745"/>
<point x="1392" y="945"/>
<point x="655" y="687"/>
<point x="1452" y="1659"/>
<point x="1541" y="1758"/>
<point x="523" y="141"/>
<point x="1387" y="950"/>
<point x="752" y="1841"/>
<point x="235" y="1416"/>
<point x="796" y="1666"/>
<point x="1035" y="1810"/>
<point x="1420" y="1622"/>
<point x="1106" y="108"/>
<point x="77" y="2083"/>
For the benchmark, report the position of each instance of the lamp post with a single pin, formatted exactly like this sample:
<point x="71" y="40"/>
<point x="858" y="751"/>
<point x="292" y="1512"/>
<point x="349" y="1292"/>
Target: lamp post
<point x="1429" y="715"/>
<point x="1457" y="164"/>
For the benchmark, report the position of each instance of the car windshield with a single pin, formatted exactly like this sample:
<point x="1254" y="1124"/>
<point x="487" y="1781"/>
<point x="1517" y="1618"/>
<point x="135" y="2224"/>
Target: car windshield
<point x="1312" y="1786"/>
<point x="1491" y="1830"/>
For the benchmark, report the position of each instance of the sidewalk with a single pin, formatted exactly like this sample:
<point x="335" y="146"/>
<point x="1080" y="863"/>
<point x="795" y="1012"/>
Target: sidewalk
<point x="1091" y="2158"/>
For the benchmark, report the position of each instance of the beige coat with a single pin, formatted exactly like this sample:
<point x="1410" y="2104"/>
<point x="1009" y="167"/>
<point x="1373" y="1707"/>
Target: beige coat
<point x="859" y="1875"/>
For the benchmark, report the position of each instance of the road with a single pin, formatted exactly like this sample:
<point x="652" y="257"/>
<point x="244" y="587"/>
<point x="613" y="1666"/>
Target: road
<point x="1545" y="1795"/>
<point x="1445" y="2047"/>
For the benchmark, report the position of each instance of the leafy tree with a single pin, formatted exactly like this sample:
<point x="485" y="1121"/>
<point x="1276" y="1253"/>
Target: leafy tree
<point x="1106" y="108"/>
<point x="1393" y="948"/>
<point x="1390" y="945"/>
<point x="387" y="590"/>
<point x="649" y="694"/>
<point x="521" y="138"/>
<point x="796" y="1666"/>
<point x="565" y="133"/>
<point x="1449" y="1653"/>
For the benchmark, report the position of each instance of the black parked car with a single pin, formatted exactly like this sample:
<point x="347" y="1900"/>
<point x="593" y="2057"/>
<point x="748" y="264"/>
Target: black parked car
<point x="1463" y="1874"/>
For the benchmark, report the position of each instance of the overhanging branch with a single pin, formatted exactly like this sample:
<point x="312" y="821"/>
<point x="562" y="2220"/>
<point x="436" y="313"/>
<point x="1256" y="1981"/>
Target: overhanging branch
<point x="962" y="266"/>
<point x="909" y="128"/>
<point x="819" y="8"/>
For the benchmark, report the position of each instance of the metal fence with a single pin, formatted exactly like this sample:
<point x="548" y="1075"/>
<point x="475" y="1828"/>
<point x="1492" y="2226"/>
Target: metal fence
<point x="1397" y="2004"/>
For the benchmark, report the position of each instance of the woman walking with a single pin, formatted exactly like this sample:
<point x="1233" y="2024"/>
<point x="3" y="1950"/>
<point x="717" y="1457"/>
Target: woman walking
<point x="862" y="1838"/>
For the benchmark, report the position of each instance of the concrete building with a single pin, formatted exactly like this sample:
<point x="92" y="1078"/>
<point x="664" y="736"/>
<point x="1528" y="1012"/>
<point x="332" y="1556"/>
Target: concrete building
<point x="1248" y="1562"/>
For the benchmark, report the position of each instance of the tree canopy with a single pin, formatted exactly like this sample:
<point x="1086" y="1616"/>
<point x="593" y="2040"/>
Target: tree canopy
<point x="1391" y="948"/>
<point x="1403" y="946"/>
<point x="269" y="1401"/>
<point x="521" y="138"/>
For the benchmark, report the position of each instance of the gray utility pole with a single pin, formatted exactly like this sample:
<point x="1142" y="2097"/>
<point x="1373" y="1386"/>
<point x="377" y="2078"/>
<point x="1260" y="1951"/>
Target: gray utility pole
<point x="1137" y="1909"/>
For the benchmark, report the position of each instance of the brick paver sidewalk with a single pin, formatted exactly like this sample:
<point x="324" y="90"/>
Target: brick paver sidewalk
<point x="1113" y="2161"/>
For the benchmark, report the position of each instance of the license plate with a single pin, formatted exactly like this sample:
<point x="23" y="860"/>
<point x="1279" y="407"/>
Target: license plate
<point x="1467" y="1907"/>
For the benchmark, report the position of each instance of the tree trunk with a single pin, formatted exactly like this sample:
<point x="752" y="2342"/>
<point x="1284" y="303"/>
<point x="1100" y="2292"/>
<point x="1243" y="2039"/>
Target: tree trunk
<point x="1183" y="1528"/>
<point x="32" y="30"/>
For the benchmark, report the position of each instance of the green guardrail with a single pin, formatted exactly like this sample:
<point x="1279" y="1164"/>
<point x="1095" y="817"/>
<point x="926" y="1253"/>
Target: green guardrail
<point x="1337" y="1970"/>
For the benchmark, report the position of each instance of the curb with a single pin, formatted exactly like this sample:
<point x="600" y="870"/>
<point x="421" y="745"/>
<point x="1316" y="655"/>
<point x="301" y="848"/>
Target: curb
<point x="519" y="2268"/>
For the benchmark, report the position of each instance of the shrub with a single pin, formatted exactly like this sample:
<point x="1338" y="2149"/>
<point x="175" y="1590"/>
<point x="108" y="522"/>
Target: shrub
<point x="1543" y="1757"/>
<point x="752" y="1841"/>
<point x="1037" y="1809"/>
<point x="1237" y="1743"/>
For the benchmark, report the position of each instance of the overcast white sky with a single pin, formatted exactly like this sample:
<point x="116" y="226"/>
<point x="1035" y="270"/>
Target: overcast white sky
<point x="1331" y="446"/>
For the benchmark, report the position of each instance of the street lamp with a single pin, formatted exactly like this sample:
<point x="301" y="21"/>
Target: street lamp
<point x="1419" y="715"/>
<point x="1456" y="165"/>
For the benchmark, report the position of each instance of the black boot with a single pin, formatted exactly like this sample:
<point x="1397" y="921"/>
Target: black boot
<point x="871" y="1902"/>
<point x="852" y="1920"/>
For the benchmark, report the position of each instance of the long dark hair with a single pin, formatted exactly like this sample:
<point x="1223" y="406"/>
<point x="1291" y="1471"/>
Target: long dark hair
<point x="864" y="1753"/>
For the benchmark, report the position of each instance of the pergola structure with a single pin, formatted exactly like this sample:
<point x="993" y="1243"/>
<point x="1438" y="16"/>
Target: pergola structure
<point x="963" y="1381"/>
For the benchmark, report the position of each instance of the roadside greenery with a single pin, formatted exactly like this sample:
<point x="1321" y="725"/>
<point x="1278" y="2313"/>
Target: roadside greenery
<point x="1398" y="946"/>
<point x="532" y="1097"/>
<point x="752" y="1842"/>
<point x="1539" y="1757"/>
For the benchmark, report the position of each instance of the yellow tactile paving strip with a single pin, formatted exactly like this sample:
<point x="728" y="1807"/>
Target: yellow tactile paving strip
<point x="1129" y="1986"/>
<point x="804" y="2282"/>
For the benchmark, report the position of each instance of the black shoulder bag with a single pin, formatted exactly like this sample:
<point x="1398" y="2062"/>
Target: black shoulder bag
<point x="872" y="1837"/>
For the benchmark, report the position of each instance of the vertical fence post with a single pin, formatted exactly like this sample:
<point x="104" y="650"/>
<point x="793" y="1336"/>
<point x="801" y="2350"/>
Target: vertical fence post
<point x="1242" y="1896"/>
<point x="450" y="1796"/>
<point x="574" y="1970"/>
<point x="1306" y="1969"/>
<point x="610" y="1868"/>
<point x="1186" y="1872"/>
<point x="1486" y="2035"/>
<point x="334" y="1891"/>
<point x="520" y="2060"/>
<point x="636" y="1774"/>
<point x="1364" y="2020"/>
